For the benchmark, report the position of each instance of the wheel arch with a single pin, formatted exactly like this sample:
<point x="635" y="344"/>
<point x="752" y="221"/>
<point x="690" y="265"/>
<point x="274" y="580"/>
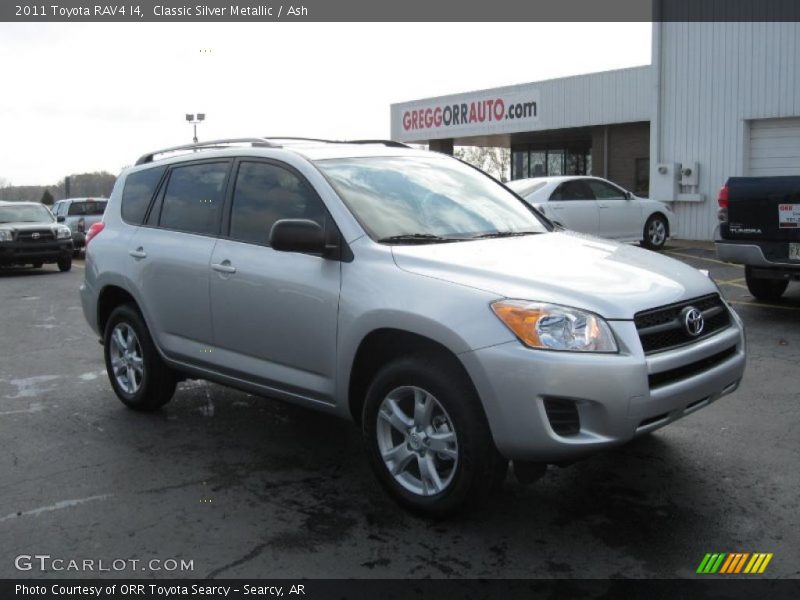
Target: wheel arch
<point x="381" y="346"/>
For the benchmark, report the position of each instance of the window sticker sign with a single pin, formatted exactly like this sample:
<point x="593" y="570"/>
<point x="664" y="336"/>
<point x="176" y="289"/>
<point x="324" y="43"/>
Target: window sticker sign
<point x="789" y="216"/>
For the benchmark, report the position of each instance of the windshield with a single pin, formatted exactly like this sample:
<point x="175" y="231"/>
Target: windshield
<point x="89" y="208"/>
<point x="524" y="187"/>
<point x="427" y="199"/>
<point x="25" y="213"/>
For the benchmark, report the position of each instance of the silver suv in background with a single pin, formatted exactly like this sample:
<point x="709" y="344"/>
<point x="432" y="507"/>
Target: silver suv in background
<point x="79" y="214"/>
<point x="404" y="290"/>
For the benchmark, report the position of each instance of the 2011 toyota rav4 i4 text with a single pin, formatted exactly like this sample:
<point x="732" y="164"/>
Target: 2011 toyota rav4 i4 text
<point x="407" y="291"/>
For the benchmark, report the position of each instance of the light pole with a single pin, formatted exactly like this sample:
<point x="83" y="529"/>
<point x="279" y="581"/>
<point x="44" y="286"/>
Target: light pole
<point x="194" y="120"/>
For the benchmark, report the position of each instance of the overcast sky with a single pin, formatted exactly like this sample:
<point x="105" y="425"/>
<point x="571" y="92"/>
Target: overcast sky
<point x="87" y="97"/>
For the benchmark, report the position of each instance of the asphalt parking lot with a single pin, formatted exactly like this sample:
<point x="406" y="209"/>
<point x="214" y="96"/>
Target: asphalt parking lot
<point x="245" y="487"/>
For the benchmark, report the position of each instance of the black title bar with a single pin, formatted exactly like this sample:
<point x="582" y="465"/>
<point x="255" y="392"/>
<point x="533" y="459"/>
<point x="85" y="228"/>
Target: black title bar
<point x="149" y="11"/>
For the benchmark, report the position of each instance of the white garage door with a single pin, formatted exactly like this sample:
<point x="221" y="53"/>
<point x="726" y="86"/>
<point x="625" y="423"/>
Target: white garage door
<point x="775" y="147"/>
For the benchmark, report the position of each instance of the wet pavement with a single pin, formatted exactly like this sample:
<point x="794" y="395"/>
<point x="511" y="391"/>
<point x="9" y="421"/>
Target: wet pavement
<point x="247" y="487"/>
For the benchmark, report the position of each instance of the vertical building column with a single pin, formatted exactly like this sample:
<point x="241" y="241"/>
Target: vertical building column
<point x="443" y="146"/>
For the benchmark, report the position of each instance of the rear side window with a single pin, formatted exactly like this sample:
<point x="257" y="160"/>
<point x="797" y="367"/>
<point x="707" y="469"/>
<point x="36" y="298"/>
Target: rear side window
<point x="605" y="191"/>
<point x="138" y="192"/>
<point x="88" y="208"/>
<point x="194" y="196"/>
<point x="265" y="193"/>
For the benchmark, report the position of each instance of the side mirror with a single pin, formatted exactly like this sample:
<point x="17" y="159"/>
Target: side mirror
<point x="61" y="218"/>
<point x="297" y="235"/>
<point x="628" y="196"/>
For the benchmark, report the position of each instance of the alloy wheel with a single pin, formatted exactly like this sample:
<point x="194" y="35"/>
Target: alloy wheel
<point x="127" y="361"/>
<point x="417" y="440"/>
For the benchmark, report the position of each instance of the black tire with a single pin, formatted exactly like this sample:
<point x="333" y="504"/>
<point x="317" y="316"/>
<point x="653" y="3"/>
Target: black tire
<point x="65" y="263"/>
<point x="652" y="239"/>
<point x="157" y="382"/>
<point x="479" y="469"/>
<point x="764" y="289"/>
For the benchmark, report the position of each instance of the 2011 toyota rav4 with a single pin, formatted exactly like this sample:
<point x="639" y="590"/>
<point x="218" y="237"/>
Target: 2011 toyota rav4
<point x="404" y="290"/>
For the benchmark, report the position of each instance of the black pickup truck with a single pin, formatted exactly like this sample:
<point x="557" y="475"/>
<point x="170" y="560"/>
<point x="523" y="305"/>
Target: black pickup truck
<point x="760" y="228"/>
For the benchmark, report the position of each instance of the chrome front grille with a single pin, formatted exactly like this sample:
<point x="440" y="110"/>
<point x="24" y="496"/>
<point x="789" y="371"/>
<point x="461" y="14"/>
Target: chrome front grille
<point x="664" y="328"/>
<point x="41" y="235"/>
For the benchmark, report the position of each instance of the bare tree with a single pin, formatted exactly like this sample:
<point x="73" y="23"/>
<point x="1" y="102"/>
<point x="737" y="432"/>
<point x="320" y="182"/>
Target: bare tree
<point x="495" y="161"/>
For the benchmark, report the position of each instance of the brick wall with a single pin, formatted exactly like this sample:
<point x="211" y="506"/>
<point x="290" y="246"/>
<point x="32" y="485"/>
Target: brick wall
<point x="626" y="143"/>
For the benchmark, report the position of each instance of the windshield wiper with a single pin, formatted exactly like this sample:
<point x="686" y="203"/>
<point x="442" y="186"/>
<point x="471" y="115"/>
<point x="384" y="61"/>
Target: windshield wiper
<point x="418" y="238"/>
<point x="502" y="234"/>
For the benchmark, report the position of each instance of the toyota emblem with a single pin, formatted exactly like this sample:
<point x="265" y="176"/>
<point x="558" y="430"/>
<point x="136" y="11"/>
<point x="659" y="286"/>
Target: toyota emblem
<point x="693" y="321"/>
<point x="35" y="235"/>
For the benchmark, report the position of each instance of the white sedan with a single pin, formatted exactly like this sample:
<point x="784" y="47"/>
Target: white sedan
<point x="598" y="207"/>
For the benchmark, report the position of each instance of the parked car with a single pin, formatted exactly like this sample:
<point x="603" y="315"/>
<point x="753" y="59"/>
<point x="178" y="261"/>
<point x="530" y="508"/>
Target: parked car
<point x="404" y="290"/>
<point x="30" y="235"/>
<point x="760" y="228"/>
<point x="79" y="214"/>
<point x="598" y="207"/>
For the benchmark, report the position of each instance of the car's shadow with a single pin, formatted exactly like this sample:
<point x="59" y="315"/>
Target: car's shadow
<point x="640" y="498"/>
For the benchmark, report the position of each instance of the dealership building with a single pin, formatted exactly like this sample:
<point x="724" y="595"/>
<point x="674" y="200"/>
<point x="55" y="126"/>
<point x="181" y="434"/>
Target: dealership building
<point x="719" y="100"/>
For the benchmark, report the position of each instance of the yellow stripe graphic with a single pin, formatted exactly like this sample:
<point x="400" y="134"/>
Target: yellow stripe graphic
<point x="765" y="563"/>
<point x="758" y="562"/>
<point x="749" y="567"/>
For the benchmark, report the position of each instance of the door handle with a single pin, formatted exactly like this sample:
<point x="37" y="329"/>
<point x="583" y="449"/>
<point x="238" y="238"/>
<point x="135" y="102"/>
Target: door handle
<point x="557" y="207"/>
<point x="602" y="206"/>
<point x="138" y="253"/>
<point x="224" y="267"/>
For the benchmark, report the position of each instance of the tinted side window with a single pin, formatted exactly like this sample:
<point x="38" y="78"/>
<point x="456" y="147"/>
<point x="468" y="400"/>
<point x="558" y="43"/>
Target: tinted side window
<point x="605" y="191"/>
<point x="265" y="193"/>
<point x="194" y="196"/>
<point x="572" y="190"/>
<point x="138" y="192"/>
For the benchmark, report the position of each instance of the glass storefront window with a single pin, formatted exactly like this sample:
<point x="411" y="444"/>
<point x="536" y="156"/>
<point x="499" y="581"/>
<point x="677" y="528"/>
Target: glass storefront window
<point x="555" y="162"/>
<point x="541" y="162"/>
<point x="538" y="162"/>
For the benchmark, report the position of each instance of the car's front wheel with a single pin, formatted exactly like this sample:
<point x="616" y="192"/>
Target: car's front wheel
<point x="65" y="263"/>
<point x="655" y="233"/>
<point x="136" y="372"/>
<point x="427" y="437"/>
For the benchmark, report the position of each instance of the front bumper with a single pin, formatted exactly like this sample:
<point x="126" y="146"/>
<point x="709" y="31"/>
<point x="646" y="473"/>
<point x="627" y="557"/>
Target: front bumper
<point x="612" y="393"/>
<point x="22" y="253"/>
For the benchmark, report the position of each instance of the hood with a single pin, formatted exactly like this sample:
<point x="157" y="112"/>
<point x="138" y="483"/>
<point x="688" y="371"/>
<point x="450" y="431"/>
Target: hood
<point x="613" y="280"/>
<point x="28" y="226"/>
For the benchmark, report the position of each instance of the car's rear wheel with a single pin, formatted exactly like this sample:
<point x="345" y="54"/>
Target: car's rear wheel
<point x="655" y="233"/>
<point x="65" y="263"/>
<point x="764" y="289"/>
<point x="136" y="372"/>
<point x="427" y="437"/>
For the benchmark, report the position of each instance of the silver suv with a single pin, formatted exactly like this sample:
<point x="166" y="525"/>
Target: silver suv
<point x="404" y="290"/>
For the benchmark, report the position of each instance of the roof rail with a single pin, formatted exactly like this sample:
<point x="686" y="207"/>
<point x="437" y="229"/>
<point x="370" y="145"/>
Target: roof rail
<point x="146" y="158"/>
<point x="389" y="143"/>
<point x="266" y="142"/>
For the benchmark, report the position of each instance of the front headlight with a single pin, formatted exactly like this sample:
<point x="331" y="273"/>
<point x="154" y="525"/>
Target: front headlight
<point x="6" y="236"/>
<point x="63" y="233"/>
<point x="554" y="327"/>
